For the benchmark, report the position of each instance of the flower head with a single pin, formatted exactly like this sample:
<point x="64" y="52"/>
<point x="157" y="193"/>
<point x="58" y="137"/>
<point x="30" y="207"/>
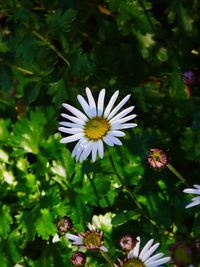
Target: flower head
<point x="64" y="224"/>
<point x="181" y="253"/>
<point x="97" y="125"/>
<point x="91" y="239"/>
<point x="195" y="191"/>
<point x="157" y="158"/>
<point x="128" y="242"/>
<point x="78" y="258"/>
<point x="188" y="77"/>
<point x="143" y="258"/>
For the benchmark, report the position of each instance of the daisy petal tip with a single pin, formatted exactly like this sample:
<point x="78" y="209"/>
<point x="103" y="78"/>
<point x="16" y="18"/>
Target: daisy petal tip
<point x="62" y="141"/>
<point x="87" y="89"/>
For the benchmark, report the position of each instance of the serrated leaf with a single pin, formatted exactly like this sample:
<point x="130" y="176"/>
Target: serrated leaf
<point x="29" y="132"/>
<point x="45" y="225"/>
<point x="59" y="21"/>
<point x="57" y="91"/>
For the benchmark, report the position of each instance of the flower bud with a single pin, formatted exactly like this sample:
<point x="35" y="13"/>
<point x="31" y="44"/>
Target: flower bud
<point x="64" y="225"/>
<point x="181" y="254"/>
<point x="188" y="77"/>
<point x="78" y="258"/>
<point x="157" y="158"/>
<point x="127" y="242"/>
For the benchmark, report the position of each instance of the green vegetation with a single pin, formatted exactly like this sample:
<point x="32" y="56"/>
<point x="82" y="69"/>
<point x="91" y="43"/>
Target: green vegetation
<point x="49" y="52"/>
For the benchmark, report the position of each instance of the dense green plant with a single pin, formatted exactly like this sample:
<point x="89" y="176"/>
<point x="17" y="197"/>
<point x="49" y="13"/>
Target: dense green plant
<point x="49" y="52"/>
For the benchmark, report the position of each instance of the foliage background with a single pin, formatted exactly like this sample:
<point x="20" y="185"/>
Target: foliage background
<point x="49" y="52"/>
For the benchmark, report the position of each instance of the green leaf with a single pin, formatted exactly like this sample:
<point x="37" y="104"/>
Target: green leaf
<point x="58" y="91"/>
<point x="45" y="225"/>
<point x="14" y="242"/>
<point x="122" y="218"/>
<point x="4" y="131"/>
<point x="3" y="47"/>
<point x="59" y="21"/>
<point x="162" y="54"/>
<point x="28" y="133"/>
<point x="3" y="260"/>
<point x="5" y="220"/>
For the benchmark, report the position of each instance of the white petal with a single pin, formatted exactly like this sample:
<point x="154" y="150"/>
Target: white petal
<point x="150" y="252"/>
<point x="70" y="130"/>
<point x="75" y="111"/>
<point x="108" y="140"/>
<point x="197" y="186"/>
<point x="72" y="118"/>
<point x="125" y="119"/>
<point x="191" y="191"/>
<point x="100" y="103"/>
<point x="84" y="105"/>
<point x="154" y="258"/>
<point x="103" y="248"/>
<point x="75" y="238"/>
<point x="100" y="148"/>
<point x="117" y="133"/>
<point x="87" y="150"/>
<point x="71" y="138"/>
<point x="121" y="114"/>
<point x="135" y="251"/>
<point x="76" y="148"/>
<point x="110" y="104"/>
<point x="91" y="101"/>
<point x="159" y="262"/>
<point x="120" y="105"/>
<point x="70" y="124"/>
<point x="94" y="151"/>
<point x="145" y="249"/>
<point x="192" y="204"/>
<point x="81" y="148"/>
<point x="115" y="140"/>
<point x="123" y="126"/>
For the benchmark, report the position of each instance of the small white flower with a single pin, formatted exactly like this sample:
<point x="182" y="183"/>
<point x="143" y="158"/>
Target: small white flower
<point x="97" y="125"/>
<point x="143" y="258"/>
<point x="91" y="240"/>
<point x="195" y="191"/>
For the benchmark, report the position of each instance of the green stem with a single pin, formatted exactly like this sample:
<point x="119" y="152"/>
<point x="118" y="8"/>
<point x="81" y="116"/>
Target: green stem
<point x="114" y="168"/>
<point x="23" y="70"/>
<point x="51" y="46"/>
<point x="132" y="195"/>
<point x="93" y="187"/>
<point x="181" y="178"/>
<point x="107" y="258"/>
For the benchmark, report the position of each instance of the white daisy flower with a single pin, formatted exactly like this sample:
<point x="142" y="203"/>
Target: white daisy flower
<point x="195" y="191"/>
<point x="144" y="257"/>
<point x="96" y="126"/>
<point x="91" y="240"/>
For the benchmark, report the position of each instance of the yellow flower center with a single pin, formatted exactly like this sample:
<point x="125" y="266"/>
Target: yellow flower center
<point x="96" y="128"/>
<point x="156" y="155"/>
<point x="92" y="240"/>
<point x="133" y="263"/>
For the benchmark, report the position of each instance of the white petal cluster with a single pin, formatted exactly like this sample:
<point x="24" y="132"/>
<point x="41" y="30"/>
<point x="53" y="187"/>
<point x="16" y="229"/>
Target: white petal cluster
<point x="77" y="120"/>
<point x="195" y="191"/>
<point x="145" y="255"/>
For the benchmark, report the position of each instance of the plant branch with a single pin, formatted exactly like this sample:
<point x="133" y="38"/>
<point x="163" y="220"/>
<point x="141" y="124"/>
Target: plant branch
<point x="107" y="258"/>
<point x="51" y="46"/>
<point x="181" y="178"/>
